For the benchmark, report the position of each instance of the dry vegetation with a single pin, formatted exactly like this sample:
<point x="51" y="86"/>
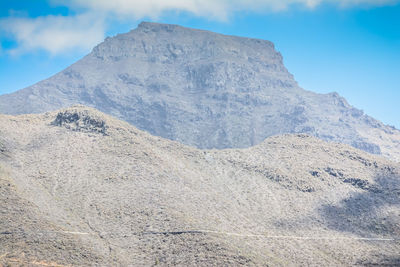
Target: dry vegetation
<point x="78" y="187"/>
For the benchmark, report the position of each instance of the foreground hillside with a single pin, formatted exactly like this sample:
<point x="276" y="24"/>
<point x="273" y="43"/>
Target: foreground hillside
<point x="78" y="187"/>
<point x="202" y="89"/>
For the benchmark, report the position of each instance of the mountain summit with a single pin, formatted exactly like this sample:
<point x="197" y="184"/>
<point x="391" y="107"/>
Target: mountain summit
<point x="202" y="89"/>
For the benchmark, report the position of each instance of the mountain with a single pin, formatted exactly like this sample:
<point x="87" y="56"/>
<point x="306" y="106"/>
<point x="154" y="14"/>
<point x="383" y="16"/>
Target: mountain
<point x="78" y="187"/>
<point x="202" y="89"/>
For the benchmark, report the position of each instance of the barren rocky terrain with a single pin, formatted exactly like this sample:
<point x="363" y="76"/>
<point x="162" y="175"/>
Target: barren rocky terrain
<point x="202" y="89"/>
<point x="78" y="187"/>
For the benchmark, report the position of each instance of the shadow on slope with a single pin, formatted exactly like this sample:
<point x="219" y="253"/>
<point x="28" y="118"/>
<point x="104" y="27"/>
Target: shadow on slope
<point x="374" y="211"/>
<point x="390" y="261"/>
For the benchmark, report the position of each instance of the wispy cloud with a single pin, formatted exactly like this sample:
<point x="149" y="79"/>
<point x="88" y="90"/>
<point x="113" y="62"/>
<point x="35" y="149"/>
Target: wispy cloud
<point x="214" y="9"/>
<point x="55" y="34"/>
<point x="58" y="34"/>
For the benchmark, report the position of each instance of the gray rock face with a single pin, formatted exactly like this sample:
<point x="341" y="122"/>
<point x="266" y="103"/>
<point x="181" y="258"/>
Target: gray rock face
<point x="202" y="89"/>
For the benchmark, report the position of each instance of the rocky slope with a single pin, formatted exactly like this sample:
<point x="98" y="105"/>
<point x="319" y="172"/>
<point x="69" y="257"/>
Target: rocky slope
<point x="202" y="89"/>
<point x="78" y="187"/>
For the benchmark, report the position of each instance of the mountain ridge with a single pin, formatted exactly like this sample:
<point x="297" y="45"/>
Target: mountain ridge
<point x="203" y="89"/>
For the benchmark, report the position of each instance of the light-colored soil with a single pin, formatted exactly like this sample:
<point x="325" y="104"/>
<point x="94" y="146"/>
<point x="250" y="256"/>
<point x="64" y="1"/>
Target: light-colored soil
<point x="78" y="187"/>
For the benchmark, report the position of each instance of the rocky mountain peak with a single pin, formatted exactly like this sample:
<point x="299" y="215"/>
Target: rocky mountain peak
<point x="156" y="27"/>
<point x="203" y="89"/>
<point x="166" y="43"/>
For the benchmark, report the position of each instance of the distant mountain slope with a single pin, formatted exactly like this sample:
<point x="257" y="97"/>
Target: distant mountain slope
<point x="202" y="89"/>
<point x="78" y="187"/>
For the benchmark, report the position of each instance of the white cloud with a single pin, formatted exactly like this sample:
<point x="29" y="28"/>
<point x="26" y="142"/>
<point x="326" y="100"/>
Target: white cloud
<point x="214" y="9"/>
<point x="346" y="3"/>
<point x="58" y="34"/>
<point x="55" y="34"/>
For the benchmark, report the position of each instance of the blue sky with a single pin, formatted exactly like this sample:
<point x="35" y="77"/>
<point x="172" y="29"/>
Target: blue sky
<point x="348" y="46"/>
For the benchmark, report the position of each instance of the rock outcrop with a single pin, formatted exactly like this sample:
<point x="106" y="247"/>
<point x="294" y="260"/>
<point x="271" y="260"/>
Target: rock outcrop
<point x="80" y="120"/>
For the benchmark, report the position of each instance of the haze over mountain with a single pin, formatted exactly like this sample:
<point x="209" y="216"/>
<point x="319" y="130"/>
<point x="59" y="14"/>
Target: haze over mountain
<point x="202" y="89"/>
<point x="78" y="187"/>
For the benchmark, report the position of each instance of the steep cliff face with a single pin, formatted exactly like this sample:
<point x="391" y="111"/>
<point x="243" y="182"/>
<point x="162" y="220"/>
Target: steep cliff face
<point x="203" y="89"/>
